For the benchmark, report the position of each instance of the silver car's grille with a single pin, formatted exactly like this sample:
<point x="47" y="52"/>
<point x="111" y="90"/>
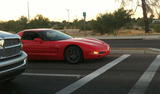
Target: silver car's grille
<point x="11" y="48"/>
<point x="11" y="42"/>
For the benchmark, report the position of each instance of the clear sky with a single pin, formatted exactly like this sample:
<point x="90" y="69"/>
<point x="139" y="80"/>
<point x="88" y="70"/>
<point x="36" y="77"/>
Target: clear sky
<point x="56" y="9"/>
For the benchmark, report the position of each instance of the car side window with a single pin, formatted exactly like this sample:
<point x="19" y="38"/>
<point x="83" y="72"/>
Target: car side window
<point x="30" y="35"/>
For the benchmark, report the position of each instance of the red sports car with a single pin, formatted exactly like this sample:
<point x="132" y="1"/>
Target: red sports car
<point x="48" y="44"/>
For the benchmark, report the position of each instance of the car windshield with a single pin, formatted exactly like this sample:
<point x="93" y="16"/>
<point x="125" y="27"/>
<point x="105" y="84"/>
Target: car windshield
<point x="51" y="35"/>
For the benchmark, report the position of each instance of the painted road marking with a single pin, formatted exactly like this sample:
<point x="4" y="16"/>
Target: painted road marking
<point x="155" y="49"/>
<point x="52" y="75"/>
<point x="76" y="85"/>
<point x="144" y="81"/>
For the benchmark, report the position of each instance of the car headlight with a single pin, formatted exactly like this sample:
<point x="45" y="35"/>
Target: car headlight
<point x="1" y="43"/>
<point x="95" y="52"/>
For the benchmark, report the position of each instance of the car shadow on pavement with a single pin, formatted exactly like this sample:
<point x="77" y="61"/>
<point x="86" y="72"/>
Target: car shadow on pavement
<point x="90" y="61"/>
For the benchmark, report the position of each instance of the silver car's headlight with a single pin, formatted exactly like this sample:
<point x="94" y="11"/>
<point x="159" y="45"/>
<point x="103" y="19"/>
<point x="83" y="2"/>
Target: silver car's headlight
<point x="1" y="43"/>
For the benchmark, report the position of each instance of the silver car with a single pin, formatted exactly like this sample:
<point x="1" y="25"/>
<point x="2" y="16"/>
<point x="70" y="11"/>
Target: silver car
<point x="12" y="58"/>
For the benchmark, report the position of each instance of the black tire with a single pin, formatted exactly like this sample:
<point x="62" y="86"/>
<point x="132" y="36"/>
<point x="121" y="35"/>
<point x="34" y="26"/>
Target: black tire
<point x="73" y="54"/>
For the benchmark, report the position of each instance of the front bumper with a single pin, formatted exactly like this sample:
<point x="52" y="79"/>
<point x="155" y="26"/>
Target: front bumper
<point x="99" y="54"/>
<point x="12" y="67"/>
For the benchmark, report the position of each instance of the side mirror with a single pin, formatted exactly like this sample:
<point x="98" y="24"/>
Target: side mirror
<point x="38" y="39"/>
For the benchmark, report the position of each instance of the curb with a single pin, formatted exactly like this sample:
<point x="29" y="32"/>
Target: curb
<point x="135" y="50"/>
<point x="156" y="37"/>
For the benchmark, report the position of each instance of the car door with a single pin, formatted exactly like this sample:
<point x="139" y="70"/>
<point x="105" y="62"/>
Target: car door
<point x="36" y="47"/>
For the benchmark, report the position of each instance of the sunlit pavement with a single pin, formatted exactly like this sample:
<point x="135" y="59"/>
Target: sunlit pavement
<point x="118" y="73"/>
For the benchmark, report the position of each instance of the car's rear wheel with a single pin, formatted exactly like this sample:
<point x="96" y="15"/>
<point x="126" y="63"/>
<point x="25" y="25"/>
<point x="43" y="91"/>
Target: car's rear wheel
<point x="73" y="54"/>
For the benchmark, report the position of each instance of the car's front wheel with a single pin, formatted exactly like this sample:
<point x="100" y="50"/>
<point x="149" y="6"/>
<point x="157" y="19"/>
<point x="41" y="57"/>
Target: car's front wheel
<point x="73" y="54"/>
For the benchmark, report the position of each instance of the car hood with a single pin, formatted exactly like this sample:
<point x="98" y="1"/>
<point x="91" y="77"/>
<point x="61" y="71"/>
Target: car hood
<point x="88" y="41"/>
<point x="4" y="35"/>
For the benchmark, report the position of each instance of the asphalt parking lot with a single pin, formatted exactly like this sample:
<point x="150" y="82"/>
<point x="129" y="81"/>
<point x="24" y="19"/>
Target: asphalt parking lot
<point x="113" y="74"/>
<point x="118" y="73"/>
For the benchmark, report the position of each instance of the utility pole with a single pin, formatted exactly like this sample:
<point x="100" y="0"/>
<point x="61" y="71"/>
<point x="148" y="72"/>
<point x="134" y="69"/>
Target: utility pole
<point x="28" y="11"/>
<point x="68" y="13"/>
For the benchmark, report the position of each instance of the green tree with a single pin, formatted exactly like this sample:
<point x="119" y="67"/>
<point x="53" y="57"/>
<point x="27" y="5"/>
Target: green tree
<point x="111" y="22"/>
<point x="39" y="22"/>
<point x="148" y="6"/>
<point x="21" y="23"/>
<point x="14" y="25"/>
<point x="10" y="26"/>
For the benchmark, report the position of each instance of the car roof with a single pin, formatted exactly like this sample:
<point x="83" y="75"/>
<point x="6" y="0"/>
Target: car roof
<point x="37" y="29"/>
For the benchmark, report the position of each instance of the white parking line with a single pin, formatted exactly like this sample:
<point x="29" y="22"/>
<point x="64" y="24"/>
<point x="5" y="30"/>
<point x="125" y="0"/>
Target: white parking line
<point x="155" y="49"/>
<point x="76" y="85"/>
<point x="52" y="75"/>
<point x="146" y="78"/>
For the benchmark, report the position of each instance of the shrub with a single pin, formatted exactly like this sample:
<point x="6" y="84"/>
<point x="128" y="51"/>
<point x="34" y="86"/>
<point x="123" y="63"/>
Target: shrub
<point x="156" y="28"/>
<point x="110" y="22"/>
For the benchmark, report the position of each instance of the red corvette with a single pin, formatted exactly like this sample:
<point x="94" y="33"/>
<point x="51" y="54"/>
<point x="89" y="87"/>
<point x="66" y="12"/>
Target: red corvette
<point x="48" y="44"/>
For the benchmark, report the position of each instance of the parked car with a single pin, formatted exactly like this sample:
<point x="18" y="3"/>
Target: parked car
<point x="12" y="58"/>
<point x="48" y="44"/>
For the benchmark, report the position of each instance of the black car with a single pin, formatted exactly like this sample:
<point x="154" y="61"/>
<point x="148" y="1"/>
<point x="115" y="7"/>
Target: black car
<point x="12" y="58"/>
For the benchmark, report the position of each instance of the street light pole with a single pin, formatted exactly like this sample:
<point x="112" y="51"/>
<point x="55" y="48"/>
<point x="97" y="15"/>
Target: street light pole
<point x="68" y="14"/>
<point x="28" y="11"/>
